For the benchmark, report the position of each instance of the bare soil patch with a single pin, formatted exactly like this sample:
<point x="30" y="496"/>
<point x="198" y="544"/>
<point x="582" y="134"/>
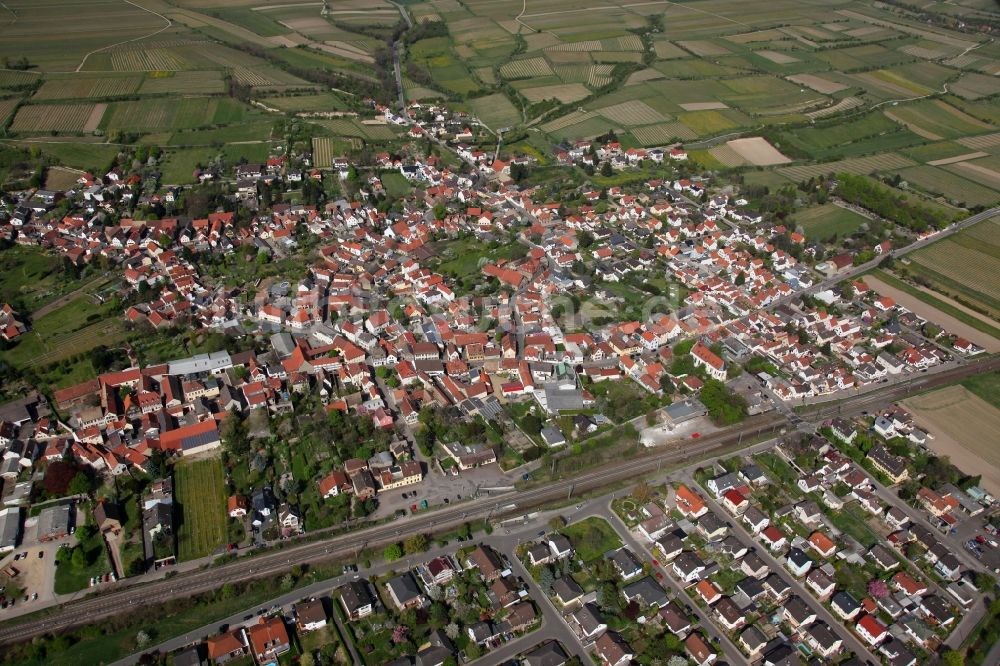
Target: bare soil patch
<point x="931" y="313"/>
<point x="964" y="428"/>
<point x="958" y="158"/>
<point x="777" y="57"/>
<point x="94" y="121"/>
<point x="817" y="83"/>
<point x="758" y="151"/>
<point x="703" y="106"/>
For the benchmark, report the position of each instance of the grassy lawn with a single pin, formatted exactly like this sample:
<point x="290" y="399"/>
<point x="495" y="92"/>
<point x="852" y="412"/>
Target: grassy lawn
<point x="396" y="184"/>
<point x="946" y="308"/>
<point x="70" y="579"/>
<point x="828" y="220"/>
<point x="853" y="521"/>
<point x="179" y="165"/>
<point x="592" y="538"/>
<point x="201" y="513"/>
<point x="30" y="275"/>
<point x="986" y="387"/>
<point x="462" y="258"/>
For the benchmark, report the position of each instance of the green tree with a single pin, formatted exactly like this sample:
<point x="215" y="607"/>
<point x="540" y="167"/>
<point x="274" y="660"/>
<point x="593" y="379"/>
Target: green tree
<point x="953" y="658"/>
<point x="415" y="544"/>
<point x="80" y="485"/>
<point x="392" y="552"/>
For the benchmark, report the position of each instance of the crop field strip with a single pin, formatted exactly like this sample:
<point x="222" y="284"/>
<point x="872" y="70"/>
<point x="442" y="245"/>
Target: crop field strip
<point x="200" y="492"/>
<point x="195" y="82"/>
<point x="52" y="117"/>
<point x="963" y="269"/>
<point x="857" y="165"/>
<point x="945" y="183"/>
<point x="86" y="86"/>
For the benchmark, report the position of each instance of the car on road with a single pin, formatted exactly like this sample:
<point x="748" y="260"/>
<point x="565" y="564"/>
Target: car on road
<point x="34" y="596"/>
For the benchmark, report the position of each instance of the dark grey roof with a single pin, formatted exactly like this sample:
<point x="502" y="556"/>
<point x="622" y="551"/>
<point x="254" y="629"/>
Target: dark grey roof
<point x="404" y="587"/>
<point x="546" y="654"/>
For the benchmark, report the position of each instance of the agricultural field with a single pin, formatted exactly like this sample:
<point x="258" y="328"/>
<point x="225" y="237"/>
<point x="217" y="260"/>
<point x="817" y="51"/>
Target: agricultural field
<point x="965" y="429"/>
<point x="321" y="102"/>
<point x="828" y="220"/>
<point x="954" y="187"/>
<point x="859" y="165"/>
<point x="204" y="82"/>
<point x="965" y="265"/>
<point x="172" y="114"/>
<point x="200" y="508"/>
<point x="495" y="110"/>
<point x="56" y="36"/>
<point x="88" y="86"/>
<point x="57" y="118"/>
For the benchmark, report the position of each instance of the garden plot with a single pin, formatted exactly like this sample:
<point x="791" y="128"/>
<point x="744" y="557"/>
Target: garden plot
<point x="817" y="83"/>
<point x="635" y="112"/>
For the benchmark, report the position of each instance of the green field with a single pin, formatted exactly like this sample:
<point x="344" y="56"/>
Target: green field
<point x="172" y="114"/>
<point x="986" y="387"/>
<point x="201" y="507"/>
<point x="395" y="184"/>
<point x="965" y="265"/>
<point x="592" y="538"/>
<point x="822" y="222"/>
<point x="179" y="165"/>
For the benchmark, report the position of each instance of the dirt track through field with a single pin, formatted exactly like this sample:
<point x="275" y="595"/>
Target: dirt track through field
<point x="964" y="428"/>
<point x="929" y="312"/>
<point x="94" y="121"/>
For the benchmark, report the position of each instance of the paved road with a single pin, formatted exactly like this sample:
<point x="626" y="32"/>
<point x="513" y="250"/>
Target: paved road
<point x="731" y="652"/>
<point x="851" y="641"/>
<point x="912" y="247"/>
<point x="92" y="608"/>
<point x="504" y="541"/>
<point x="88" y="610"/>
